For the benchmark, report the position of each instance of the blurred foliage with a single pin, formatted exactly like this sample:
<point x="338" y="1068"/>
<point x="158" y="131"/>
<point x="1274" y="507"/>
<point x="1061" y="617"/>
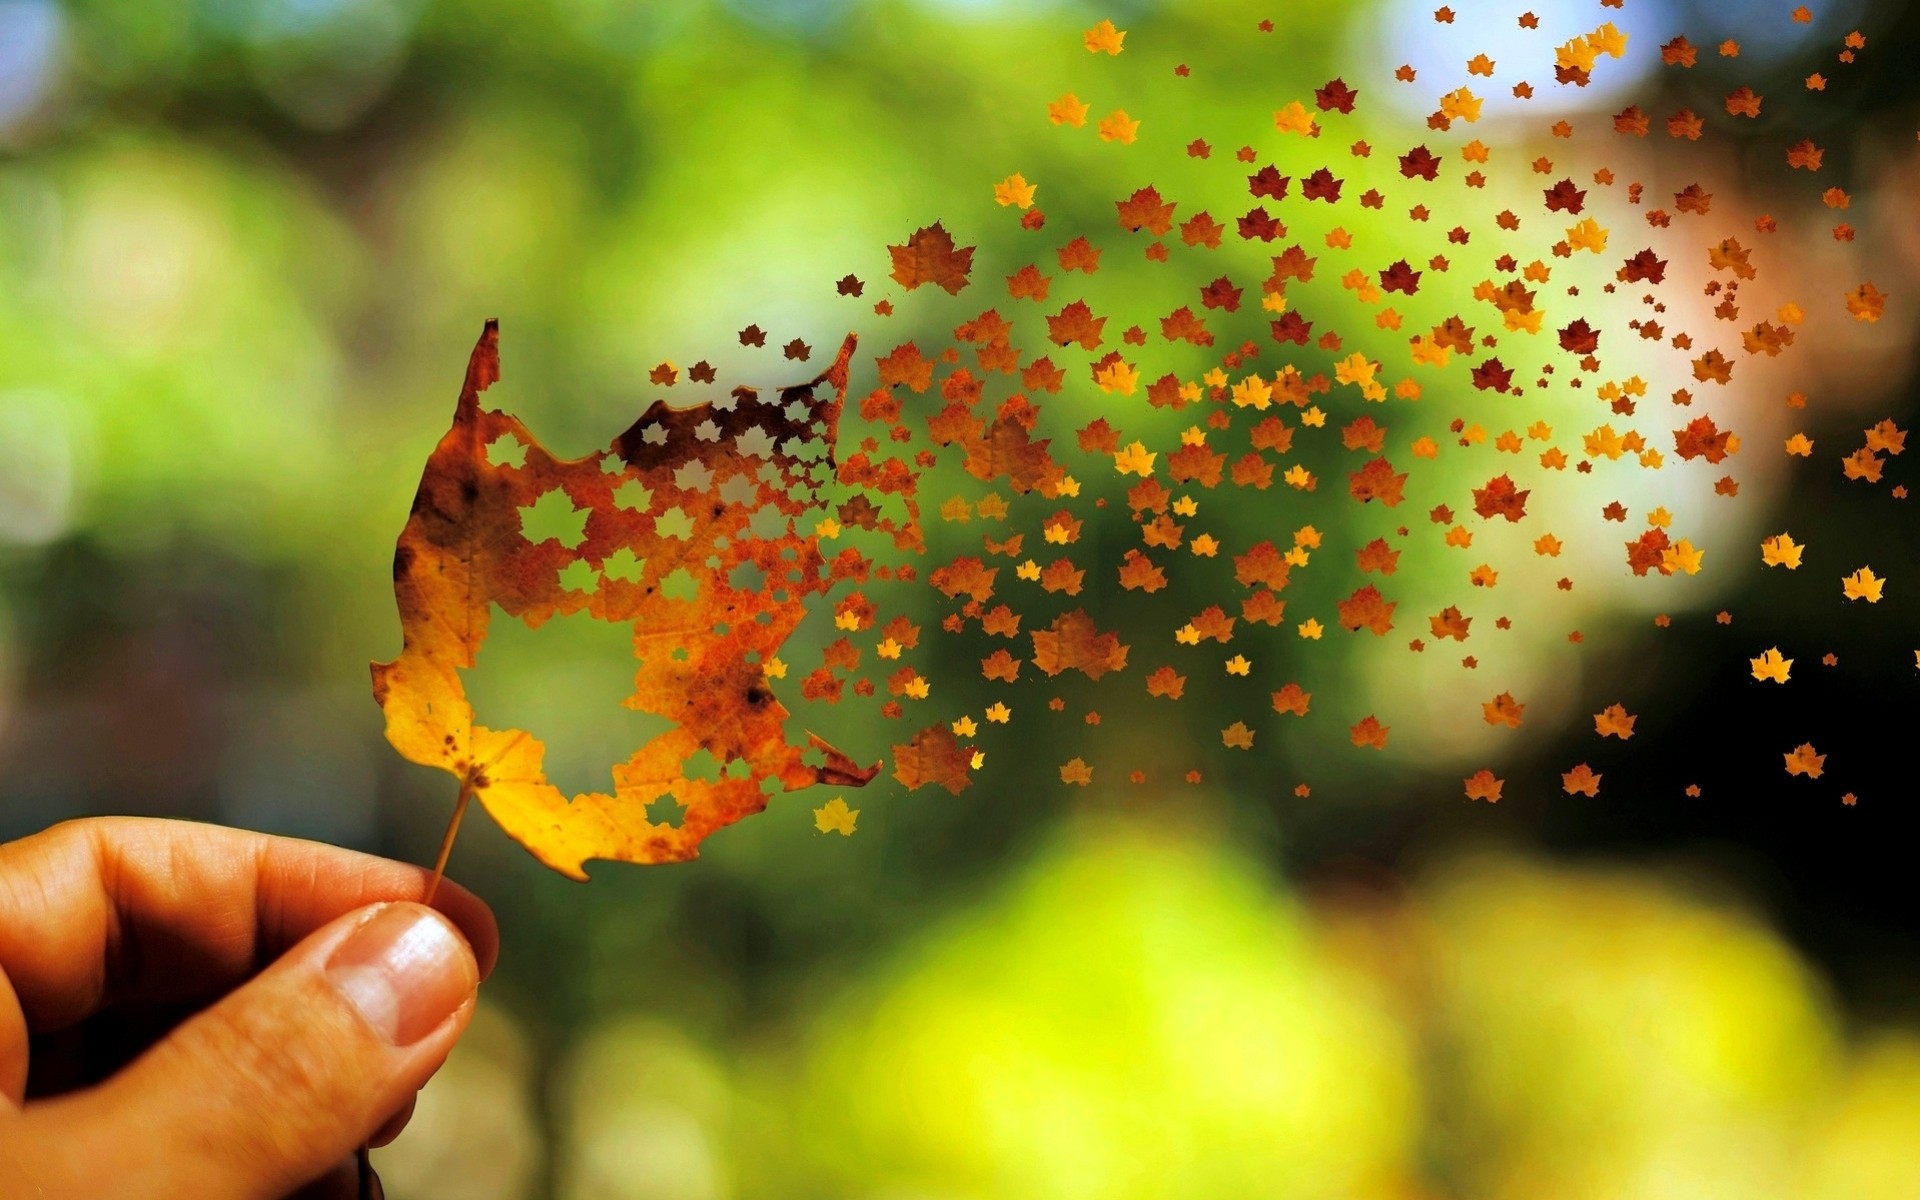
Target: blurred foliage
<point x="244" y="246"/>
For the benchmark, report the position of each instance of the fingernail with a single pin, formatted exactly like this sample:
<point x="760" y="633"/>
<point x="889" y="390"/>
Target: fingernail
<point x="405" y="970"/>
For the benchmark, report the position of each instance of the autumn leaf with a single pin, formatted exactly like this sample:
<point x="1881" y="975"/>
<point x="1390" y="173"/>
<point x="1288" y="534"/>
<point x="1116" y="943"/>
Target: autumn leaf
<point x="933" y="756"/>
<point x="1580" y="781"/>
<point x="1103" y="37"/>
<point x="930" y="256"/>
<point x="1369" y="732"/>
<point x="835" y="817"/>
<point x="1366" y="609"/>
<point x="1770" y="665"/>
<point x="1781" y="550"/>
<point x="1500" y="498"/>
<point x="1291" y="699"/>
<point x="1866" y="303"/>
<point x="1503" y="710"/>
<point x="464" y="552"/>
<point x="1072" y="643"/>
<point x="1863" y="584"/>
<point x="1482" y="785"/>
<point x="1614" y="721"/>
<point x="1803" y="760"/>
<point x="1014" y="190"/>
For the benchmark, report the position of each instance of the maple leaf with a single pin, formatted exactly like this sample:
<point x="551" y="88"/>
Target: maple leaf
<point x="1321" y="185"/>
<point x="1419" y="163"/>
<point x="463" y="551"/>
<point x="1614" y="721"/>
<point x="1804" y="760"/>
<point x="1377" y="480"/>
<point x="1166" y="682"/>
<point x="1294" y="118"/>
<point x="1644" y="267"/>
<point x="1400" y="277"/>
<point x="1503" y="710"/>
<point x="1259" y="225"/>
<point x="1104" y="37"/>
<point x="1014" y="190"/>
<point x="1648" y="552"/>
<point x="1564" y="197"/>
<point x="1068" y="110"/>
<point x="1866" y="303"/>
<point x="1863" y="584"/>
<point x="1580" y="781"/>
<point x="1701" y="438"/>
<point x="1492" y="376"/>
<point x="1079" y="255"/>
<point x="1145" y="210"/>
<point x="1073" y="643"/>
<point x="1291" y="699"/>
<point x="1369" y="732"/>
<point x="1448" y="623"/>
<point x="930" y="256"/>
<point x="1268" y="182"/>
<point x="1075" y="324"/>
<point x="1335" y="96"/>
<point x="1367" y="609"/>
<point x="933" y="755"/>
<point x="1500" y="498"/>
<point x="1116" y="126"/>
<point x="1482" y="785"/>
<point x="835" y="817"/>
<point x="1770" y="665"/>
<point x="1076" y="771"/>
<point x="1804" y="155"/>
<point x="1888" y="437"/>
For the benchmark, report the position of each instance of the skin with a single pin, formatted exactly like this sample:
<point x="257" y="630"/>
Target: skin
<point x="168" y="1026"/>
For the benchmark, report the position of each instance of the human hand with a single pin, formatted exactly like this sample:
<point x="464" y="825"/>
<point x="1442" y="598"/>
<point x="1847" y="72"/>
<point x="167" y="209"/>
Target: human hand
<point x="194" y="1012"/>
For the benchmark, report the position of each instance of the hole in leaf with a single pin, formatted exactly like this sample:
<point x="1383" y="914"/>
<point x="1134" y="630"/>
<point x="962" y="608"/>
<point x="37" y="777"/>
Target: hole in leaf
<point x="553" y="516"/>
<point x="565" y="683"/>
<point x="674" y="523"/>
<point x="679" y="585"/>
<point x="634" y="495"/>
<point x="623" y="564"/>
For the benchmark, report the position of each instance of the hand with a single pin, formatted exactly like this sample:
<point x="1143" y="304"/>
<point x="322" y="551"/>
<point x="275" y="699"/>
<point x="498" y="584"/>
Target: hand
<point x="194" y="1012"/>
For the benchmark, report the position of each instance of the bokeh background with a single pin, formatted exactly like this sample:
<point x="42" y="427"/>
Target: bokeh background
<point x="244" y="248"/>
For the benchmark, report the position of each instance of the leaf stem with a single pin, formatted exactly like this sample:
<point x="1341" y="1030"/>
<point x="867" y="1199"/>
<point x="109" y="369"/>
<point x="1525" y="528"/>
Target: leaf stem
<point x="446" y="842"/>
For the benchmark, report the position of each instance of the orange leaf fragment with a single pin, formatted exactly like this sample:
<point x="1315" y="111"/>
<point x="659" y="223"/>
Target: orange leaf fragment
<point x="1369" y="732"/>
<point x="930" y="256"/>
<point x="1072" y="643"/>
<point x="1614" y="721"/>
<point x="934" y="755"/>
<point x="1582" y="781"/>
<point x="1803" y="760"/>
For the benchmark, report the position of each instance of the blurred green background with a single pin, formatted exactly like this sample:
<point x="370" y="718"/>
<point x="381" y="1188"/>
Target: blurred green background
<point x="244" y="248"/>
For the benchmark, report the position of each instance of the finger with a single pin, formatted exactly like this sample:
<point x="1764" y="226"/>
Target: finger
<point x="278" y="1082"/>
<point x="393" y="1125"/>
<point x="13" y="1045"/>
<point x="99" y="911"/>
<point x="341" y="1182"/>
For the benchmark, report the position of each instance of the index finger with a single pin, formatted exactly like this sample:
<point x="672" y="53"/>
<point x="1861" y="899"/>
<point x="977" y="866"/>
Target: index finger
<point x="100" y="911"/>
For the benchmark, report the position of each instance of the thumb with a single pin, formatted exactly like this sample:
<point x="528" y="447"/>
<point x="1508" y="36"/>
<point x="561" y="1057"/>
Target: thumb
<point x="277" y="1082"/>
